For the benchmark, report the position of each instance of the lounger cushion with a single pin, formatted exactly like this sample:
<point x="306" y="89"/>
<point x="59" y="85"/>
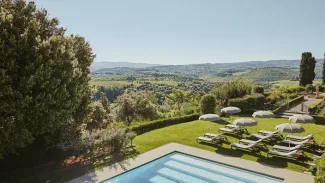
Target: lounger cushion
<point x="295" y="142"/>
<point x="287" y="154"/>
<point x="211" y="135"/>
<point x="205" y="139"/>
<point x="250" y="141"/>
<point x="243" y="146"/>
<point x="268" y="132"/>
<point x="285" y="148"/>
<point x="226" y="130"/>
<point x="262" y="136"/>
<point x="299" y="137"/>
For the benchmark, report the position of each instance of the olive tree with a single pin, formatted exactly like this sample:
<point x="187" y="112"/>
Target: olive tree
<point x="44" y="77"/>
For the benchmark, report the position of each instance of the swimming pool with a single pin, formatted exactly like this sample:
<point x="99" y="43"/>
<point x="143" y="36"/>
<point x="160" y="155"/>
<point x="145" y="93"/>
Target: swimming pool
<point x="179" y="167"/>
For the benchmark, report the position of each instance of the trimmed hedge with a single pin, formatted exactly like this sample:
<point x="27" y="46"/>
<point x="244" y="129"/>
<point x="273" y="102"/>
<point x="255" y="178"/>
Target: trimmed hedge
<point x="156" y="124"/>
<point x="320" y="174"/>
<point x="249" y="103"/>
<point x="284" y="105"/>
<point x="315" y="106"/>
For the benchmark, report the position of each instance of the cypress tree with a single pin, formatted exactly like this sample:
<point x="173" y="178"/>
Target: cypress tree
<point x="307" y="67"/>
<point x="323" y="78"/>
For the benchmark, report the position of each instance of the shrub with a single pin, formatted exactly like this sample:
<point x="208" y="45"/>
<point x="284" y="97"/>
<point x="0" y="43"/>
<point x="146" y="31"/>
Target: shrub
<point x="208" y="104"/>
<point x="320" y="174"/>
<point x="315" y="106"/>
<point x="274" y="96"/>
<point x="292" y="96"/>
<point x="249" y="103"/>
<point x="156" y="124"/>
<point x="259" y="89"/>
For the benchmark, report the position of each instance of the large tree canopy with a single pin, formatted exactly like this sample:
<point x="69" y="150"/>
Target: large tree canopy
<point x="44" y="76"/>
<point x="307" y="67"/>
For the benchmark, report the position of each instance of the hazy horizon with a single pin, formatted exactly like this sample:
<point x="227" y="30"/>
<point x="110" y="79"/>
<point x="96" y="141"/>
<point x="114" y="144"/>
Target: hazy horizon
<point x="194" y="32"/>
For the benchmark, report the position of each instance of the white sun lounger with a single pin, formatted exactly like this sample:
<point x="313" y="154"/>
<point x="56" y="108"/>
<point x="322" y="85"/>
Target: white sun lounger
<point x="243" y="146"/>
<point x="285" y="148"/>
<point x="228" y="130"/>
<point x="299" y="138"/>
<point x="263" y="137"/>
<point x="265" y="132"/>
<point x="247" y="141"/>
<point x="302" y="143"/>
<point x="207" y="139"/>
<point x="212" y="135"/>
<point x="291" y="154"/>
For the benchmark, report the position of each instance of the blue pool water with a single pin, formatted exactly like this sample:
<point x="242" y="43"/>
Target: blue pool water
<point x="179" y="167"/>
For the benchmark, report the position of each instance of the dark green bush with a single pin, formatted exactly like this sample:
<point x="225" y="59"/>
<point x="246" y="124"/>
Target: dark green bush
<point x="156" y="124"/>
<point x="259" y="89"/>
<point x="292" y="96"/>
<point x="208" y="104"/>
<point x="248" y="103"/>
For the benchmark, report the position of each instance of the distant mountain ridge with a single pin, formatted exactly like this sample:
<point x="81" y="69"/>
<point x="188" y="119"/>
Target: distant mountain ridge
<point x="103" y="65"/>
<point x="208" y="69"/>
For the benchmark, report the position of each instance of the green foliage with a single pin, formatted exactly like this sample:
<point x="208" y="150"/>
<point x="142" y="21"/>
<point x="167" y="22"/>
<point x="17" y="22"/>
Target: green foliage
<point x="275" y="95"/>
<point x="114" y="139"/>
<point x="286" y="104"/>
<point x="307" y="66"/>
<point x="321" y="88"/>
<point x="208" y="104"/>
<point x="248" y="103"/>
<point x="44" y="77"/>
<point x="99" y="117"/>
<point x="320" y="174"/>
<point x="178" y="97"/>
<point x="259" y="89"/>
<point x="292" y="89"/>
<point x="136" y="106"/>
<point x="152" y="125"/>
<point x="232" y="89"/>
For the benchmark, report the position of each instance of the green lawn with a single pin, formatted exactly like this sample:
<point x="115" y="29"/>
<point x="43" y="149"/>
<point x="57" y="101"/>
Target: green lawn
<point x="291" y="84"/>
<point x="186" y="134"/>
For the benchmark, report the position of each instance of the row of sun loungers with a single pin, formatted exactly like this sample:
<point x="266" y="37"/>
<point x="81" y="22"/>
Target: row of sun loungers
<point x="293" y="151"/>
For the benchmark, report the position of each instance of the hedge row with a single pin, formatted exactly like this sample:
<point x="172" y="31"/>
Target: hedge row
<point x="249" y="103"/>
<point x="320" y="174"/>
<point x="156" y="124"/>
<point x="315" y="106"/>
<point x="284" y="105"/>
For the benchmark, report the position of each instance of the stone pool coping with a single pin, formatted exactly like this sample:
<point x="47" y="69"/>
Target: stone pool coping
<point x="118" y="168"/>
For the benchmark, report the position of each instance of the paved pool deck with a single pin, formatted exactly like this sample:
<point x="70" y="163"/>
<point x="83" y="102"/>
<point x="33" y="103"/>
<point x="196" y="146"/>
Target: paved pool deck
<point x="118" y="168"/>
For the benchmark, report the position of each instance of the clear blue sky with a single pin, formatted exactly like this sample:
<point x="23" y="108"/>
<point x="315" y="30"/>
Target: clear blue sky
<point x="194" y="31"/>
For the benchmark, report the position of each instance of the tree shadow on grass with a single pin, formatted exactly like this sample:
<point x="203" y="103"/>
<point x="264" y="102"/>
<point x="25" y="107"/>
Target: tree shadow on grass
<point x="222" y="122"/>
<point x="62" y="173"/>
<point x="279" y="162"/>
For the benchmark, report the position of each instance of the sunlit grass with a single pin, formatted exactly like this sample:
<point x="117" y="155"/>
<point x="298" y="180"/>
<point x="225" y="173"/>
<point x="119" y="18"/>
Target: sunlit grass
<point x="186" y="134"/>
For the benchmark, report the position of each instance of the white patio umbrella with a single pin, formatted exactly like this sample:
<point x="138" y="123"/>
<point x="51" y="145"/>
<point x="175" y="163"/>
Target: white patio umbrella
<point x="302" y="118"/>
<point x="245" y="122"/>
<point x="290" y="128"/>
<point x="210" y="117"/>
<point x="230" y="110"/>
<point x="263" y="114"/>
